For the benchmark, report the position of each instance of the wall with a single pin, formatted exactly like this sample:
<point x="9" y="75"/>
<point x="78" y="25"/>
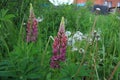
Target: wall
<point x="80" y="1"/>
<point x="99" y="2"/>
<point x="114" y="2"/>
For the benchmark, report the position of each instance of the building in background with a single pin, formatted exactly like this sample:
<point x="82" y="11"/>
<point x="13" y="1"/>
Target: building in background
<point x="80" y="2"/>
<point x="105" y="6"/>
<point x="108" y="3"/>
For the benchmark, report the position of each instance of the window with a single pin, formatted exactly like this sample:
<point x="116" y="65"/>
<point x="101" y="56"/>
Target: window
<point x="118" y="5"/>
<point x="109" y="4"/>
<point x="105" y="3"/>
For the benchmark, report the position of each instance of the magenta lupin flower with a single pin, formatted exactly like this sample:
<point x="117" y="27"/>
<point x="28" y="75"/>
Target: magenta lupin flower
<point x="59" y="47"/>
<point x="32" y="30"/>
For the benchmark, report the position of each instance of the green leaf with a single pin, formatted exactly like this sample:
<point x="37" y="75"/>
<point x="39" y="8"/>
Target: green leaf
<point x="48" y="76"/>
<point x="7" y="73"/>
<point x="84" y="71"/>
<point x="30" y="68"/>
<point x="3" y="67"/>
<point x="3" y="12"/>
<point x="9" y="16"/>
<point x="33" y="76"/>
<point x="66" y="78"/>
<point x="5" y="62"/>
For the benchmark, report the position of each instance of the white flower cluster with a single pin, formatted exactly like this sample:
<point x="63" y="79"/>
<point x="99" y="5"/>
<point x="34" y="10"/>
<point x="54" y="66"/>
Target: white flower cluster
<point x="79" y="37"/>
<point x="60" y="2"/>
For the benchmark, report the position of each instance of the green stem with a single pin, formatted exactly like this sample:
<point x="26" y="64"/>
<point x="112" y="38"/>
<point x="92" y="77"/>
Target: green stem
<point x="113" y="72"/>
<point x="96" y="69"/>
<point x="6" y="45"/>
<point x="20" y="32"/>
<point x="28" y="49"/>
<point x="96" y="50"/>
<point x="43" y="56"/>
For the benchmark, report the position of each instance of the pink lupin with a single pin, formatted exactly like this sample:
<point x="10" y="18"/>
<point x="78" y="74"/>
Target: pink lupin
<point x="59" y="46"/>
<point x="32" y="30"/>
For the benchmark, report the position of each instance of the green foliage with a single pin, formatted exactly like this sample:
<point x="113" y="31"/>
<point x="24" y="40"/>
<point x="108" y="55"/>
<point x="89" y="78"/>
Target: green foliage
<point x="8" y="32"/>
<point x="69" y="70"/>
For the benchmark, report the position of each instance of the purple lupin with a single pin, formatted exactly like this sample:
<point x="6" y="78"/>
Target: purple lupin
<point x="59" y="47"/>
<point x="32" y="30"/>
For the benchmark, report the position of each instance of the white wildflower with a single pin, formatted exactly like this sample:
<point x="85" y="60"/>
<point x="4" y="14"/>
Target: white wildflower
<point x="85" y="64"/>
<point x="97" y="38"/>
<point x="101" y="60"/>
<point x="96" y="35"/>
<point x="39" y="19"/>
<point x="24" y="23"/>
<point x="74" y="49"/>
<point x="67" y="33"/>
<point x="71" y="41"/>
<point x="79" y="33"/>
<point x="81" y="50"/>
<point x="90" y="40"/>
<point x="78" y="36"/>
<point x="60" y="2"/>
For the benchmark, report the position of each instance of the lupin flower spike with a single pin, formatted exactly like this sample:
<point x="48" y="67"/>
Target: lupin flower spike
<point x="62" y="25"/>
<point x="59" y="47"/>
<point x="32" y="30"/>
